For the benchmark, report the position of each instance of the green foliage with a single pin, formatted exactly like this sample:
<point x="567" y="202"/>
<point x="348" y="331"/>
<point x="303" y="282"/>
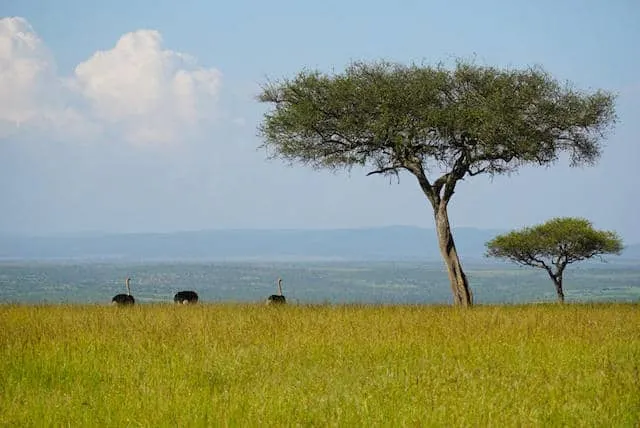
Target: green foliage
<point x="252" y="365"/>
<point x="468" y="120"/>
<point x="554" y="245"/>
<point x="558" y="242"/>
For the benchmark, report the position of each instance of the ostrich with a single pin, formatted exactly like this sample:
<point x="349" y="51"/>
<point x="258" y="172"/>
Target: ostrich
<point x="185" y="297"/>
<point x="124" y="299"/>
<point x="277" y="298"/>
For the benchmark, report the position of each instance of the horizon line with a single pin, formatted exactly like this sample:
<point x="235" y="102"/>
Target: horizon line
<point x="97" y="233"/>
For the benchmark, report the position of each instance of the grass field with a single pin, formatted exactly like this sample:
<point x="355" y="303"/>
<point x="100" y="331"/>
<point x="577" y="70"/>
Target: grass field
<point x="252" y="365"/>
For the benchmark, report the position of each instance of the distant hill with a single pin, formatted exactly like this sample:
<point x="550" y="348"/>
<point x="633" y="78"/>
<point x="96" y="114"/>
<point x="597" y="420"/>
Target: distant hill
<point x="632" y="252"/>
<point x="383" y="243"/>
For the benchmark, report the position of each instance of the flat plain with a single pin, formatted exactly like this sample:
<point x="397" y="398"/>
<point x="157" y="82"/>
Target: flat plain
<point x="329" y="365"/>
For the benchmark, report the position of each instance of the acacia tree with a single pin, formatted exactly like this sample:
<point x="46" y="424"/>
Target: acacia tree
<point x="440" y="125"/>
<point x="554" y="245"/>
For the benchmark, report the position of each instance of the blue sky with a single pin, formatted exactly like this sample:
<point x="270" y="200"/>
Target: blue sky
<point x="141" y="115"/>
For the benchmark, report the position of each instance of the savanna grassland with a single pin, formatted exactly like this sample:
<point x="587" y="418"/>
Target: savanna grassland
<point x="248" y="364"/>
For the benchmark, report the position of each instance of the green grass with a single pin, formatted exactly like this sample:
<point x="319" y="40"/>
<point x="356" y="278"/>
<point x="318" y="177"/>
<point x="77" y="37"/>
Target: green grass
<point x="239" y="365"/>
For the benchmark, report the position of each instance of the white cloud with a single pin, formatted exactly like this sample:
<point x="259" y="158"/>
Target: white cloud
<point x="137" y="90"/>
<point x="25" y="68"/>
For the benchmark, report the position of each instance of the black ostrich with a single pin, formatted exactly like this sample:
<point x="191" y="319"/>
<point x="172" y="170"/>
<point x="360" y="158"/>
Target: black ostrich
<point x="185" y="297"/>
<point x="277" y="298"/>
<point x="124" y="299"/>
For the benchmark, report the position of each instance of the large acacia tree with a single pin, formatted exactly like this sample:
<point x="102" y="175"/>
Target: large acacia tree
<point x="440" y="125"/>
<point x="554" y="245"/>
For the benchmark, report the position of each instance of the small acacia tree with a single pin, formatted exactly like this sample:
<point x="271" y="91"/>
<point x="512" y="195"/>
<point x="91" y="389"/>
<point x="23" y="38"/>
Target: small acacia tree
<point x="554" y="245"/>
<point x="440" y="125"/>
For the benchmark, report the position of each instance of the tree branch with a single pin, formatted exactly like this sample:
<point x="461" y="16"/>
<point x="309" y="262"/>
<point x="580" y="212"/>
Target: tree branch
<point x="477" y="172"/>
<point x="449" y="188"/>
<point x="534" y="261"/>
<point x="385" y="170"/>
<point x="416" y="169"/>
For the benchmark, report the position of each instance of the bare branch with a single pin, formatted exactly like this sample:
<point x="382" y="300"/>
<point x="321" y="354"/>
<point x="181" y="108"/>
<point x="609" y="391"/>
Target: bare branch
<point x="477" y="171"/>
<point x="385" y="170"/>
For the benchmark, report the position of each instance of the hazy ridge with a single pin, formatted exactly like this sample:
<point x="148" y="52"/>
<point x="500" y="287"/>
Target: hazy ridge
<point x="382" y="243"/>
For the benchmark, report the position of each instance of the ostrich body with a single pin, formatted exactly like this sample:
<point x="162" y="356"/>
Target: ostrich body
<point x="124" y="299"/>
<point x="185" y="297"/>
<point x="277" y="298"/>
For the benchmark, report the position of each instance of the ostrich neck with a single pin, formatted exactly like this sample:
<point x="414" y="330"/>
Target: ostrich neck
<point x="280" y="287"/>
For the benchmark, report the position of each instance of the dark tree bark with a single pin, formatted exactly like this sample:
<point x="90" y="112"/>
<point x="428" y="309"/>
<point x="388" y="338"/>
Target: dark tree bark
<point x="459" y="285"/>
<point x="556" y="277"/>
<point x="439" y="194"/>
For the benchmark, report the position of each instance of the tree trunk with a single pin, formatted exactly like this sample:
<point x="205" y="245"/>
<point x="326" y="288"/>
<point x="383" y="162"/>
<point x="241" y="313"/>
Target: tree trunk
<point x="459" y="285"/>
<point x="556" y="277"/>
<point x="557" y="281"/>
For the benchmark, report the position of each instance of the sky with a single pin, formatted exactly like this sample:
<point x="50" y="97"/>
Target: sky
<point x="141" y="115"/>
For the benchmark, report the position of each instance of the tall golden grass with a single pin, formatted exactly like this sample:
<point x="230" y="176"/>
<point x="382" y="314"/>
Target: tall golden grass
<point x="343" y="365"/>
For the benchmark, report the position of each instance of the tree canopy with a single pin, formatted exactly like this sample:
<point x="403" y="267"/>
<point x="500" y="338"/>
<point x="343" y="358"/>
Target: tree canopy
<point x="554" y="245"/>
<point x="469" y="120"/>
<point x="438" y="124"/>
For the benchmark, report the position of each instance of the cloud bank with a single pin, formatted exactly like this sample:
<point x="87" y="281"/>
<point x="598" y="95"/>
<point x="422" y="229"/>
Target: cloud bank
<point x="137" y="91"/>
